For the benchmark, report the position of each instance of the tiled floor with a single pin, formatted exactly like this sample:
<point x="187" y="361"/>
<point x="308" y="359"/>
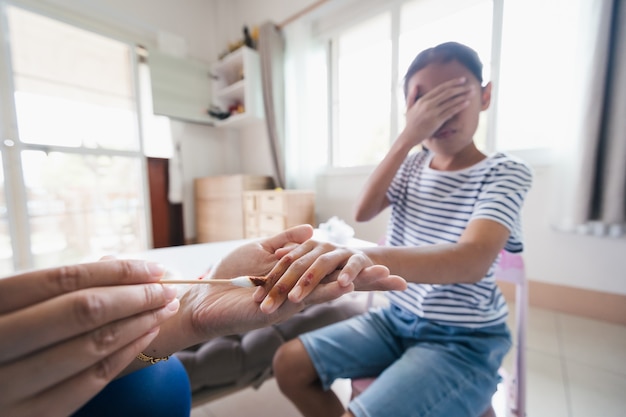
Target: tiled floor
<point x="576" y="368"/>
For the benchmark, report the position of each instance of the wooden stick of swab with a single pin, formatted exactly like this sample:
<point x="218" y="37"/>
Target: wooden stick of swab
<point x="242" y="281"/>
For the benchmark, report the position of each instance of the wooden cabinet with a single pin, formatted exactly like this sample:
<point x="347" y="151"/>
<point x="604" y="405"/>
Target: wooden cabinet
<point x="238" y="83"/>
<point x="271" y="211"/>
<point x="220" y="205"/>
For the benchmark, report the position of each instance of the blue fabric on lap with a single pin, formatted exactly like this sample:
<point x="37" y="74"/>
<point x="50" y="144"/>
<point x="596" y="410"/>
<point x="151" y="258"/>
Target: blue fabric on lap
<point x="159" y="390"/>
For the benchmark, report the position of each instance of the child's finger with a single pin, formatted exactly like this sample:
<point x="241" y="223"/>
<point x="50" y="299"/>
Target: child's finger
<point x="412" y="97"/>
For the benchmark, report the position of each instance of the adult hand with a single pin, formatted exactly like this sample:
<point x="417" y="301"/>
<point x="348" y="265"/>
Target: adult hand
<point x="210" y="311"/>
<point x="66" y="332"/>
<point x="259" y="257"/>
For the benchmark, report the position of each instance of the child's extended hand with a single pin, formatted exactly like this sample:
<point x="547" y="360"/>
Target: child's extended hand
<point x="428" y="111"/>
<point x="308" y="268"/>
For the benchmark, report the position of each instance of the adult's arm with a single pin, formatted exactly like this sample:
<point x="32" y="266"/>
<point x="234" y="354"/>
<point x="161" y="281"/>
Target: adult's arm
<point x="67" y="332"/>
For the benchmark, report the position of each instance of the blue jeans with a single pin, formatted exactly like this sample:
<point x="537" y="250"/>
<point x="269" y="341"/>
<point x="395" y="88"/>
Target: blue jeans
<point x="422" y="368"/>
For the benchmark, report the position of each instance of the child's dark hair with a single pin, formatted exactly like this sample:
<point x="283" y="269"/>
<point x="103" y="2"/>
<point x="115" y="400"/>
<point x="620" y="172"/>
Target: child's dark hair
<point x="443" y="53"/>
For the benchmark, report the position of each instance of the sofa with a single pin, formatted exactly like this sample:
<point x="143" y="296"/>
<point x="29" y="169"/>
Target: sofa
<point x="227" y="364"/>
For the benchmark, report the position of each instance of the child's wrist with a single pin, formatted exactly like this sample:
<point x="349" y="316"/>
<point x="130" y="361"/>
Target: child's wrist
<point x="407" y="140"/>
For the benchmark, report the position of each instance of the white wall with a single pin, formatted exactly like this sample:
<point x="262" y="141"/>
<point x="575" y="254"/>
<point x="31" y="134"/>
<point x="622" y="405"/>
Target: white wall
<point x="564" y="258"/>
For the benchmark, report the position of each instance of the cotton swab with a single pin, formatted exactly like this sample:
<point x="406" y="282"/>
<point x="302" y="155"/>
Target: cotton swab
<point x="242" y="281"/>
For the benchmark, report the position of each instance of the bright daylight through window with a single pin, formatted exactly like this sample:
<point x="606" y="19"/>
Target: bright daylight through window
<point x="363" y="86"/>
<point x="77" y="143"/>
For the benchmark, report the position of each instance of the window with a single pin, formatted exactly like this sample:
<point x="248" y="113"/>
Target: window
<point x="538" y="81"/>
<point x="76" y="165"/>
<point x="364" y="83"/>
<point x="361" y="121"/>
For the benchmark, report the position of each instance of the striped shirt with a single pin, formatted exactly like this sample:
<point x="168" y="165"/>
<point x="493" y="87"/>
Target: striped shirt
<point x="434" y="207"/>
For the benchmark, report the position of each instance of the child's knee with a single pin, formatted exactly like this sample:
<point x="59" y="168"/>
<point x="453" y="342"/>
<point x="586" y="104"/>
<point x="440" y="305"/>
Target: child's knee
<point x="287" y="356"/>
<point x="291" y="363"/>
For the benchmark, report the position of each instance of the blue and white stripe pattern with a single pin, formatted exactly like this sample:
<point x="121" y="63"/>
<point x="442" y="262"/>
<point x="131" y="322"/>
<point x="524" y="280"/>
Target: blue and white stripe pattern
<point x="433" y="207"/>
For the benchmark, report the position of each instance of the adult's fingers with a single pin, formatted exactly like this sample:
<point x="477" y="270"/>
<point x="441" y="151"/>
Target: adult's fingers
<point x="47" y="367"/>
<point x="71" y="314"/>
<point x="296" y="234"/>
<point x="261" y="255"/>
<point x="33" y="287"/>
<point x="68" y="396"/>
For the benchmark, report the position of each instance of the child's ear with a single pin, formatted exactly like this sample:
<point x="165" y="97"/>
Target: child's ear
<point x="485" y="96"/>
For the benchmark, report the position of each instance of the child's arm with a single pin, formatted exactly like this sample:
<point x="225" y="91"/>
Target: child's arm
<point x="373" y="198"/>
<point x="466" y="261"/>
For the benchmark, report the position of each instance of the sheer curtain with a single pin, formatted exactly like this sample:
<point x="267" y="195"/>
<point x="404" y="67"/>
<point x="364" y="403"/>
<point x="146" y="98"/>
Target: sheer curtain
<point x="271" y="53"/>
<point x="592" y="169"/>
<point x="306" y="105"/>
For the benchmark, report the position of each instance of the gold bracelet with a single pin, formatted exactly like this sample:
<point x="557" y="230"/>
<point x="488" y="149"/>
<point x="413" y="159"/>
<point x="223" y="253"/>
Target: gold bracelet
<point x="145" y="358"/>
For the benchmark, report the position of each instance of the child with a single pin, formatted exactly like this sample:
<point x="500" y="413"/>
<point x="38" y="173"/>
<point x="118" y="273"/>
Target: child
<point x="437" y="347"/>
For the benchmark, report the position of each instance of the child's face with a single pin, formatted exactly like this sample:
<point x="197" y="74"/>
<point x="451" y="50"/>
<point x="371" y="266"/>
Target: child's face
<point x="457" y="132"/>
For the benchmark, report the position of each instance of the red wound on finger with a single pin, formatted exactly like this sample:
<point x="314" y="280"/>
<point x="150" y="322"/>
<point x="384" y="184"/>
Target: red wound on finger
<point x="307" y="279"/>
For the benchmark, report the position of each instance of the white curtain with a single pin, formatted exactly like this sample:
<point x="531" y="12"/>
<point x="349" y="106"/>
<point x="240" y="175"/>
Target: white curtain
<point x="592" y="169"/>
<point x="271" y="53"/>
<point x="306" y="106"/>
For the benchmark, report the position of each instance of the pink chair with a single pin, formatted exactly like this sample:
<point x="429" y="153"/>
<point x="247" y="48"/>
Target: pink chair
<point x="510" y="269"/>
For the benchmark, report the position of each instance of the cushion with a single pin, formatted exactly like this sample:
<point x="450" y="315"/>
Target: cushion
<point x="237" y="361"/>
